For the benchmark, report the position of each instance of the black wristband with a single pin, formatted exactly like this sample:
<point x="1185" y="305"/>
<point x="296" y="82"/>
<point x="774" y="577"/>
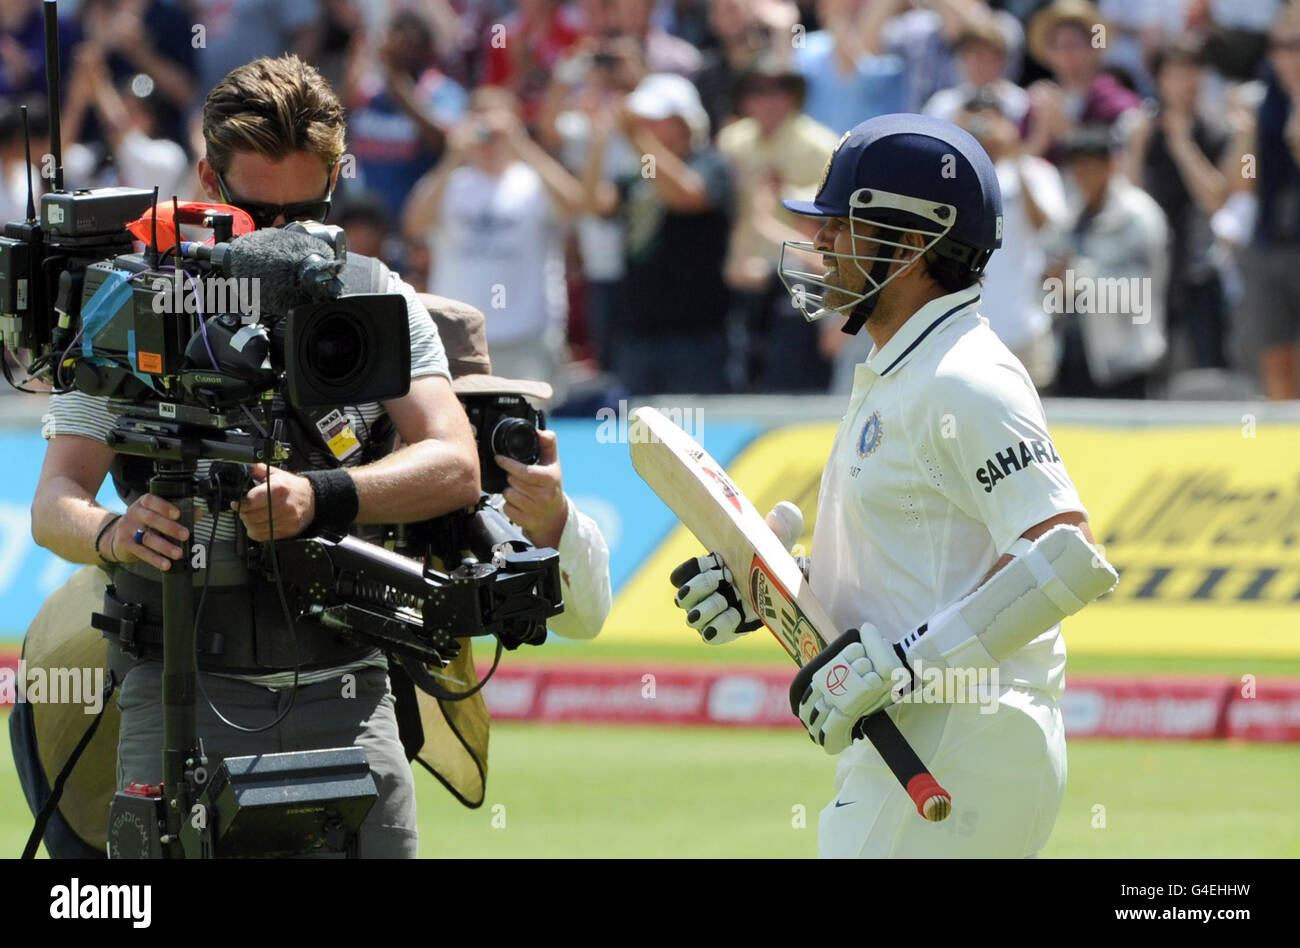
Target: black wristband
<point x="100" y="536"/>
<point x="337" y="502"/>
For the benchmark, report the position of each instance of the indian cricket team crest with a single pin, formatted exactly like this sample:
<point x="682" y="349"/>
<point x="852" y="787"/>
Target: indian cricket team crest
<point x="871" y="434"/>
<point x="826" y="172"/>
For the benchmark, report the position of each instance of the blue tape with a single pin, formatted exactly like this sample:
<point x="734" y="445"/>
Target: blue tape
<point x="114" y="293"/>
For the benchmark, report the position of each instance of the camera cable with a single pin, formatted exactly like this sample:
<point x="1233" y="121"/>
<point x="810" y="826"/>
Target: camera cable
<point x="284" y="604"/>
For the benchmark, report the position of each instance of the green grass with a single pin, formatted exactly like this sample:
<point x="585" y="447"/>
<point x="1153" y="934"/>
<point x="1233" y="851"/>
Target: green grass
<point x="576" y="790"/>
<point x="572" y="790"/>
<point x="695" y="653"/>
<point x="1179" y="799"/>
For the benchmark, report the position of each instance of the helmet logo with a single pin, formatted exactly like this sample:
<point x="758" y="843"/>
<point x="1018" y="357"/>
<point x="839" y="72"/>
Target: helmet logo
<point x="826" y="172"/>
<point x="998" y="234"/>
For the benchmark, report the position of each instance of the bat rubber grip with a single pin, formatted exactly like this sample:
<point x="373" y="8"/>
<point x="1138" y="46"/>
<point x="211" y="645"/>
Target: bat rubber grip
<point x="932" y="801"/>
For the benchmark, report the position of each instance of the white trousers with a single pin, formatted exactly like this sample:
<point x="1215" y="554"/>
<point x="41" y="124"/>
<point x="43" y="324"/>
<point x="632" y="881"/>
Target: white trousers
<point x="1005" y="770"/>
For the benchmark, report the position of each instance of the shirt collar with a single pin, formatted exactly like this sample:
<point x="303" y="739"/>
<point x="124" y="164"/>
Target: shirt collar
<point x="924" y="323"/>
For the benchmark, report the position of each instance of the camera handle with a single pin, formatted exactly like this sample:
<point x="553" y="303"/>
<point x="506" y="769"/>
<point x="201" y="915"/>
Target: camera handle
<point x="175" y="453"/>
<point x="181" y="756"/>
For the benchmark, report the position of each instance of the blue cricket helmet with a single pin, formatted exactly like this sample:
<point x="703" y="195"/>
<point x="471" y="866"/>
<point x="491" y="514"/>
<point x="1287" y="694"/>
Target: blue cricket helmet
<point x="921" y="157"/>
<point x="912" y="173"/>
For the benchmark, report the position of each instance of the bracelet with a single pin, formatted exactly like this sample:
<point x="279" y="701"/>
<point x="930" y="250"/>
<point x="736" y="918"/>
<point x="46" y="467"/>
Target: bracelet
<point x="337" y="501"/>
<point x="100" y="536"/>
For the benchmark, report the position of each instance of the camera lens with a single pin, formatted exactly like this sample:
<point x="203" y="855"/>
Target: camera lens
<point x="516" y="438"/>
<point x="337" y="349"/>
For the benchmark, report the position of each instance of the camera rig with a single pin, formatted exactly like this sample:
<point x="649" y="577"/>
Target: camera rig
<point x="197" y="381"/>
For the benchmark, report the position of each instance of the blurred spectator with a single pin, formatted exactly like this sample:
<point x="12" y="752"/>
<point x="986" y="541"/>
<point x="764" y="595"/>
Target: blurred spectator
<point x="663" y="51"/>
<point x="675" y="235"/>
<point x="365" y="222"/>
<point x="129" y="120"/>
<point x="522" y="50"/>
<point x="688" y="20"/>
<point x="150" y="38"/>
<point x="677" y="211"/>
<point x="1237" y="33"/>
<point x="776" y="151"/>
<point x="600" y="18"/>
<point x="399" y="109"/>
<point x="1134" y="31"/>
<point x="743" y="30"/>
<point x="596" y="83"/>
<point x="926" y="35"/>
<point x="14" y="170"/>
<point x="1177" y="153"/>
<point x="847" y="82"/>
<point x="492" y="212"/>
<point x="1271" y="266"/>
<point x="981" y="50"/>
<point x="1111" y="266"/>
<point x="342" y="25"/>
<point x="238" y="31"/>
<point x="1033" y="211"/>
<point x="370" y="230"/>
<point x="1067" y="38"/>
<point x="22" y="47"/>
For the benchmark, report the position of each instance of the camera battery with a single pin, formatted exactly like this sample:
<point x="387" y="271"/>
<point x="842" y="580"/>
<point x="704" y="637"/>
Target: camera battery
<point x="136" y="822"/>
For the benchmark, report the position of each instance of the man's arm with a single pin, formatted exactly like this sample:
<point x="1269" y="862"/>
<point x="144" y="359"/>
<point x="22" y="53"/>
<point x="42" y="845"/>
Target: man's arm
<point x="599" y="196"/>
<point x="425" y="202"/>
<point x="66" y="519"/>
<point x="1072" y="517"/>
<point x="435" y="472"/>
<point x="403" y="89"/>
<point x="565" y="190"/>
<point x="680" y="185"/>
<point x="535" y="500"/>
<point x="1206" y="184"/>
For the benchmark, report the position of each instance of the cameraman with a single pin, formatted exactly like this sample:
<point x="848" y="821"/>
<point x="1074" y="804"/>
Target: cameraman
<point x="274" y="135"/>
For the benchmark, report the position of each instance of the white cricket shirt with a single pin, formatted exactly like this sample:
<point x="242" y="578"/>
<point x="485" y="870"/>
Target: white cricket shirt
<point x="941" y="462"/>
<point x="499" y="247"/>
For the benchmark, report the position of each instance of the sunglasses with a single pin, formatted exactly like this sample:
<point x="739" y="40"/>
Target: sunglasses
<point x="264" y="215"/>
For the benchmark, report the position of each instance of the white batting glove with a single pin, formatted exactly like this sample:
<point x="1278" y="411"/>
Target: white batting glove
<point x="713" y="605"/>
<point x="707" y="590"/>
<point x="854" y="677"/>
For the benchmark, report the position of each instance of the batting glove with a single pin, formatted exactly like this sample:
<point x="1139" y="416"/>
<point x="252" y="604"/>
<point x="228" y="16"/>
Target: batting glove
<point x="713" y="605"/>
<point x="854" y="677"/>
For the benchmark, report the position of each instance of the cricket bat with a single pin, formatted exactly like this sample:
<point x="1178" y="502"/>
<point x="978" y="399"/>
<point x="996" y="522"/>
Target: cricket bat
<point x="698" y="490"/>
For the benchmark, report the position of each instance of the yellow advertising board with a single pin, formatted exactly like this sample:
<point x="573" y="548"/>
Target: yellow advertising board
<point x="1203" y="524"/>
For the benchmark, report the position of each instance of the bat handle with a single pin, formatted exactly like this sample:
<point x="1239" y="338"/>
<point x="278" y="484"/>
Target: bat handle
<point x="932" y="801"/>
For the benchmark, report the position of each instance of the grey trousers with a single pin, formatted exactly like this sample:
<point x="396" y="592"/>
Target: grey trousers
<point x="322" y="717"/>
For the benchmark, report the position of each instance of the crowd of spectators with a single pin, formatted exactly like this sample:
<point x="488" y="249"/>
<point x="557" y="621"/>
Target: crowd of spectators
<point x="603" y="178"/>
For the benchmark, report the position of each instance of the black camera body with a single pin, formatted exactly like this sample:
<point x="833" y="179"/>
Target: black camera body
<point x="505" y="424"/>
<point x="187" y="326"/>
<point x="74" y="229"/>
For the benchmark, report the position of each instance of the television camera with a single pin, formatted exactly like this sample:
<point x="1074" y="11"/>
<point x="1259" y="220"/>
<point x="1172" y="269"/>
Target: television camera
<point x="205" y="348"/>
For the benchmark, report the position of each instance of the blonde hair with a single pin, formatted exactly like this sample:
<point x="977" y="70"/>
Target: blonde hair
<point x="274" y="107"/>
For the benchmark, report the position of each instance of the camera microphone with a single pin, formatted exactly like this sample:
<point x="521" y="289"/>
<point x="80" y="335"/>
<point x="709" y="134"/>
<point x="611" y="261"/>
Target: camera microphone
<point x="291" y="268"/>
